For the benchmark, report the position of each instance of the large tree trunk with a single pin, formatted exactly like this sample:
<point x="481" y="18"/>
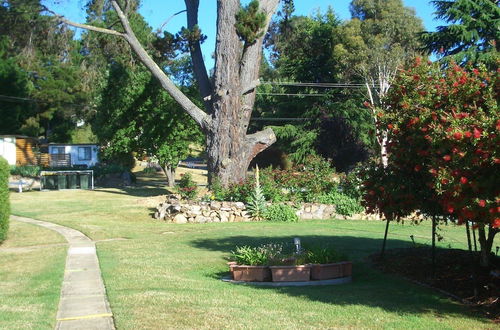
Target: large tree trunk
<point x="229" y="102"/>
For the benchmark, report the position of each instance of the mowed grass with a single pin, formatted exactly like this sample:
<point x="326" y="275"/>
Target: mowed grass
<point x="31" y="273"/>
<point x="168" y="276"/>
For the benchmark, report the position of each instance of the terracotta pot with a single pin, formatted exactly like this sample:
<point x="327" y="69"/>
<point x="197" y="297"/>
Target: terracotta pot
<point x="250" y="273"/>
<point x="299" y="273"/>
<point x="327" y="271"/>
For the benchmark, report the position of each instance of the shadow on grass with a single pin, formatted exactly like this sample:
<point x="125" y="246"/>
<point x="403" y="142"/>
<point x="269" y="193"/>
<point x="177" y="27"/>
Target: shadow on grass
<point x="135" y="191"/>
<point x="370" y="287"/>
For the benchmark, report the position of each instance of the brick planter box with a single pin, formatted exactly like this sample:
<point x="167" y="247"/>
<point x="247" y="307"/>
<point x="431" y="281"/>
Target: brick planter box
<point x="291" y="273"/>
<point x="250" y="273"/>
<point x="321" y="272"/>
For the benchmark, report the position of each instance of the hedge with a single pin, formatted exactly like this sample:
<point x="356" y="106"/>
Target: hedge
<point x="4" y="199"/>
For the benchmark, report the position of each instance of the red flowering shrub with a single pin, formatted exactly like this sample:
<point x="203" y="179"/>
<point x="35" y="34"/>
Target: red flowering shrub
<point x="444" y="138"/>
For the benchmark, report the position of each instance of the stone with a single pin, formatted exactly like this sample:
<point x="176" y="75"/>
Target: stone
<point x="240" y="205"/>
<point x="215" y="205"/>
<point x="195" y="208"/>
<point x="180" y="218"/>
<point x="231" y="217"/>
<point x="200" y="219"/>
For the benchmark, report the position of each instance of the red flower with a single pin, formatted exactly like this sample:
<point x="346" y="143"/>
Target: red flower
<point x="481" y="202"/>
<point x="417" y="168"/>
<point x="477" y="133"/>
<point x="468" y="134"/>
<point x="496" y="223"/>
<point x="457" y="136"/>
<point x="463" y="180"/>
<point x="447" y="158"/>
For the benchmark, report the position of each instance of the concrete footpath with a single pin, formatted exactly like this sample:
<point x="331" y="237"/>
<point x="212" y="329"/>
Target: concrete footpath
<point x="83" y="303"/>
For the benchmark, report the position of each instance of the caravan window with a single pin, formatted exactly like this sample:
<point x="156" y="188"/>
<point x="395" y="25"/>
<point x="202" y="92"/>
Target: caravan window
<point x="84" y="153"/>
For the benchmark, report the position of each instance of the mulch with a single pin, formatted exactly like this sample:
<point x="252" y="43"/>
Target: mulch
<point x="453" y="275"/>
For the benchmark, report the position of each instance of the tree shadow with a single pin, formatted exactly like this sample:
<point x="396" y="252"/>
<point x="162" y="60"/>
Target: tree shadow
<point x="135" y="191"/>
<point x="369" y="287"/>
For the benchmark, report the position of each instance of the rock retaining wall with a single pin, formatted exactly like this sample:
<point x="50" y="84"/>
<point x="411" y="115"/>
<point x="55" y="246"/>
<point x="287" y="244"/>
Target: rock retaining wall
<point x="180" y="211"/>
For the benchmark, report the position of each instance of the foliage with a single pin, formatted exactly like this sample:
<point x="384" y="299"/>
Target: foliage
<point x="339" y="142"/>
<point x="351" y="184"/>
<point x="261" y="255"/>
<point x="448" y="122"/>
<point x="187" y="188"/>
<point x="49" y="74"/>
<point x="4" y="199"/>
<point x="14" y="83"/>
<point x="323" y="254"/>
<point x="133" y="103"/>
<point x="302" y="182"/>
<point x="301" y="50"/>
<point x="28" y="171"/>
<point x="344" y="204"/>
<point x="472" y="34"/>
<point x="103" y="169"/>
<point x="256" y="204"/>
<point x="250" y="23"/>
<point x="280" y="212"/>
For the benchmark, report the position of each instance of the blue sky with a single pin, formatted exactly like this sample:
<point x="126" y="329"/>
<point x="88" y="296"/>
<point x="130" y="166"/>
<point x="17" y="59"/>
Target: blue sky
<point x="157" y="11"/>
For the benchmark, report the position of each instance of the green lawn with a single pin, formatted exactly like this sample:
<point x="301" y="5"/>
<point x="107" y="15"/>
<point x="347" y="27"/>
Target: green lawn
<point x="31" y="272"/>
<point x="162" y="275"/>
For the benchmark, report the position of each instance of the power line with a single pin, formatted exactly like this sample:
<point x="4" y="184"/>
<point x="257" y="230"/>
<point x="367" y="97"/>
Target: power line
<point x="319" y="85"/>
<point x="280" y="119"/>
<point x="292" y="94"/>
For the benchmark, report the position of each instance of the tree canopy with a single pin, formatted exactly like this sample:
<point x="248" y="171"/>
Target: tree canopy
<point x="472" y="34"/>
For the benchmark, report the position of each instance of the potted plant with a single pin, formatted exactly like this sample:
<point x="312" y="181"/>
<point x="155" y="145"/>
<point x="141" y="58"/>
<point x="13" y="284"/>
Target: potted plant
<point x="326" y="263"/>
<point x="251" y="264"/>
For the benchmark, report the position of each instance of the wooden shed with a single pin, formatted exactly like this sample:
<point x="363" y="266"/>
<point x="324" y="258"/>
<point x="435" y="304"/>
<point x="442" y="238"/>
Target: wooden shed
<point x="19" y="150"/>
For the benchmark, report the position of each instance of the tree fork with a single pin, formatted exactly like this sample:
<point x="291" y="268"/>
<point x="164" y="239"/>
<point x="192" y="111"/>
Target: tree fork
<point x="229" y="102"/>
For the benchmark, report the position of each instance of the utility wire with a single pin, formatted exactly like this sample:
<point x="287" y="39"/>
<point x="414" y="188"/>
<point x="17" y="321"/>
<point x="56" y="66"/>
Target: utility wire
<point x="293" y="94"/>
<point x="320" y="85"/>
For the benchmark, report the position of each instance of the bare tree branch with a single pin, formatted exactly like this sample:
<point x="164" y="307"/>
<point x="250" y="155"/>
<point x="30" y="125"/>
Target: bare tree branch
<point x="162" y="26"/>
<point x="64" y="20"/>
<point x="196" y="113"/>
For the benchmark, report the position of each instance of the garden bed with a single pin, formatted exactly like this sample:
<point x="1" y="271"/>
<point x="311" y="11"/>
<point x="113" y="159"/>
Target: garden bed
<point x="453" y="275"/>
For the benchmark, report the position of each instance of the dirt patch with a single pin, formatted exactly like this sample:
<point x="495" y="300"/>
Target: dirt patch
<point x="453" y="275"/>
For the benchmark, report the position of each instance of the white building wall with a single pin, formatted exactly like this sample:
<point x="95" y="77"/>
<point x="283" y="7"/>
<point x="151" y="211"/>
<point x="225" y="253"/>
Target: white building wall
<point x="73" y="150"/>
<point x="8" y="149"/>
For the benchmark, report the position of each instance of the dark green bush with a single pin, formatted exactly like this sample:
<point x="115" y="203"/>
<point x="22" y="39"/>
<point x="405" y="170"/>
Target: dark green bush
<point x="187" y="188"/>
<point x="4" y="199"/>
<point x="103" y="169"/>
<point x="27" y="171"/>
<point x="280" y="213"/>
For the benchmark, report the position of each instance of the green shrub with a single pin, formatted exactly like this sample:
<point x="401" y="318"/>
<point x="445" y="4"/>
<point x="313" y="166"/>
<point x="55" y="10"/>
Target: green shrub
<point x="258" y="255"/>
<point x="323" y="254"/>
<point x="352" y="183"/>
<point x="27" y="171"/>
<point x="4" y="199"/>
<point x="103" y="169"/>
<point x="344" y="204"/>
<point x="280" y="213"/>
<point x="187" y="188"/>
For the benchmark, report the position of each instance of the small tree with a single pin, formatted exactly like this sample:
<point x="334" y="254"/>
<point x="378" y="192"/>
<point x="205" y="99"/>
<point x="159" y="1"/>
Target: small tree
<point x="444" y="137"/>
<point x="4" y="199"/>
